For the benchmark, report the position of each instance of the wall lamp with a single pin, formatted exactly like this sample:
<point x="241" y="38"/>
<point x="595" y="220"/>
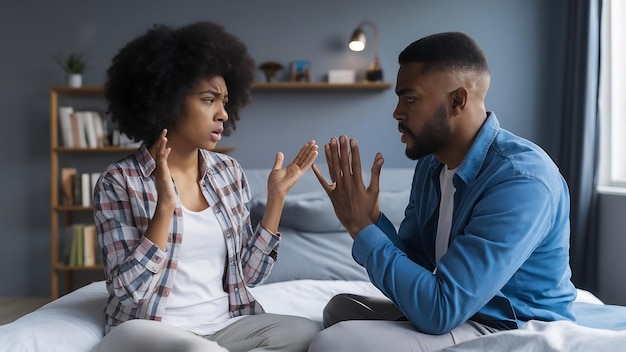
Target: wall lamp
<point x="357" y="43"/>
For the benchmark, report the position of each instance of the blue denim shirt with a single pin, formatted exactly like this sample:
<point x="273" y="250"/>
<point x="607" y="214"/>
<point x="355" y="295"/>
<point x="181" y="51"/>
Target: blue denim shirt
<point x="508" y="257"/>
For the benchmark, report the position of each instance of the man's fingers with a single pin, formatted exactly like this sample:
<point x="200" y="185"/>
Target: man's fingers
<point x="328" y="188"/>
<point x="344" y="156"/>
<point x="376" y="168"/>
<point x="335" y="168"/>
<point x="355" y="159"/>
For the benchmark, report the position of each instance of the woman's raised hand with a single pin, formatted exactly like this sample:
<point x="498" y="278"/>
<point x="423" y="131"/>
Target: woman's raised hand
<point x="282" y="179"/>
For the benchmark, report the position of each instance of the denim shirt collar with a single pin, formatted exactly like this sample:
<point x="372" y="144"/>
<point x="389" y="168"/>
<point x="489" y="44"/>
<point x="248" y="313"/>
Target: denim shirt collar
<point x="475" y="157"/>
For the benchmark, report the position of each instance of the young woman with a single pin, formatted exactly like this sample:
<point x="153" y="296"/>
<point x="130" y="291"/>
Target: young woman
<point x="172" y="219"/>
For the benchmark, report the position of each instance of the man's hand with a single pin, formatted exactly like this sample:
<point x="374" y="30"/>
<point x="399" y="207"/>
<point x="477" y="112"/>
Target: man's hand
<point x="355" y="206"/>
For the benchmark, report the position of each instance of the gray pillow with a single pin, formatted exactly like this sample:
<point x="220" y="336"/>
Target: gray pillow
<point x="393" y="204"/>
<point x="315" y="256"/>
<point x="313" y="212"/>
<point x="314" y="244"/>
<point x="304" y="212"/>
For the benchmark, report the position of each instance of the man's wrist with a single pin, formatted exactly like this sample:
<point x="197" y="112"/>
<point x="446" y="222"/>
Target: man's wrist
<point x="356" y="229"/>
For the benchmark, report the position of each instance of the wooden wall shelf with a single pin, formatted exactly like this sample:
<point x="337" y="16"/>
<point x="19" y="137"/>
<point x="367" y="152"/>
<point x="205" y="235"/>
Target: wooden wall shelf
<point x="364" y="85"/>
<point x="322" y="86"/>
<point x="122" y="149"/>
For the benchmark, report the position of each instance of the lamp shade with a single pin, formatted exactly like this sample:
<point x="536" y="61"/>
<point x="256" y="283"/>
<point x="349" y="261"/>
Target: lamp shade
<point x="357" y="40"/>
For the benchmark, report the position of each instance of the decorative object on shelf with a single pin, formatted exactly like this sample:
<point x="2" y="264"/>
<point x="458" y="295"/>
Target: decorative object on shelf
<point x="74" y="66"/>
<point x="270" y="68"/>
<point x="357" y="43"/>
<point x="317" y="86"/>
<point x="341" y="76"/>
<point x="301" y="71"/>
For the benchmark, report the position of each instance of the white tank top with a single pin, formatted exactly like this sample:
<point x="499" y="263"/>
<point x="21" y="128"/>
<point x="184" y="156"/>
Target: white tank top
<point x="197" y="301"/>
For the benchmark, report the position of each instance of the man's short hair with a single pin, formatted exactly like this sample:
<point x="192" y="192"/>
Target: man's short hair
<point x="446" y="51"/>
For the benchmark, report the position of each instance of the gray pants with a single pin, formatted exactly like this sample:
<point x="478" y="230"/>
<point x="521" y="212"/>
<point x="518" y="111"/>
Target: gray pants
<point x="261" y="332"/>
<point x="359" y="323"/>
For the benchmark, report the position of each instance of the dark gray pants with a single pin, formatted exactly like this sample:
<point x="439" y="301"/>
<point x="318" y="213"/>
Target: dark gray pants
<point x="261" y="332"/>
<point x="359" y="323"/>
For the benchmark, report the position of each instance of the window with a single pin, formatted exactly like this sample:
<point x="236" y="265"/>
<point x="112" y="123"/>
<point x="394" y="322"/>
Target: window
<point x="612" y="95"/>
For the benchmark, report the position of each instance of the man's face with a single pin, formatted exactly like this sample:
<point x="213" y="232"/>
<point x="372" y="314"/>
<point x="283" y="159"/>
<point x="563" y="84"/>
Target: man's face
<point x="421" y="111"/>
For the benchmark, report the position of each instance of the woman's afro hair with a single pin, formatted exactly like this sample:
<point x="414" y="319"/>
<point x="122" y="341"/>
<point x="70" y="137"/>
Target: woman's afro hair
<point x="150" y="77"/>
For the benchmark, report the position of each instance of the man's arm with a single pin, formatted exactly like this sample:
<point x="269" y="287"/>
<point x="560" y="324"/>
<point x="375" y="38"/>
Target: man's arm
<point x="505" y="227"/>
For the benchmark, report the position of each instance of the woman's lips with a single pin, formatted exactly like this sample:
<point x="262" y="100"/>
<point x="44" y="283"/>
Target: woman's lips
<point x="217" y="135"/>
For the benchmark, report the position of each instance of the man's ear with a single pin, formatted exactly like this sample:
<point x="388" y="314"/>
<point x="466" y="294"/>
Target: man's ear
<point x="459" y="100"/>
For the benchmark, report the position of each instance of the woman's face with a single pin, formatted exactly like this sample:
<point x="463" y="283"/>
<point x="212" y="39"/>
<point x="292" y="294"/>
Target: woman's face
<point x="201" y="122"/>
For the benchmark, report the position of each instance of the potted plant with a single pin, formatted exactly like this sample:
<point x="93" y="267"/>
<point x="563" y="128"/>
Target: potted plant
<point x="74" y="65"/>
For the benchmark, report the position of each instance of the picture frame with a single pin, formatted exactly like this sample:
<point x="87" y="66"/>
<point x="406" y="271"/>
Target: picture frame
<point x="301" y="71"/>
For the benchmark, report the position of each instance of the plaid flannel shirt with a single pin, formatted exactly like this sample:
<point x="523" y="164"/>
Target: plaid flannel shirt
<point x="139" y="275"/>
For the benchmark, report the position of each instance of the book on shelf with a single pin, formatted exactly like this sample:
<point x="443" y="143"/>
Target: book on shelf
<point x="78" y="128"/>
<point x="94" y="179"/>
<point x="85" y="189"/>
<point x="82" y="128"/>
<point x="90" y="128"/>
<point x="81" y="246"/>
<point x="76" y="255"/>
<point x="67" y="185"/>
<point x="65" y="123"/>
<point x="78" y="188"/>
<point x="89" y="244"/>
<point x="100" y="129"/>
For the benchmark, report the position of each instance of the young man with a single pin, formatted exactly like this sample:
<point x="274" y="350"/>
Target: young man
<point x="485" y="240"/>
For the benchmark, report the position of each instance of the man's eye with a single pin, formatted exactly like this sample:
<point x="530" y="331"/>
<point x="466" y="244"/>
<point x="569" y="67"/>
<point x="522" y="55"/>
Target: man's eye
<point x="209" y="100"/>
<point x="409" y="99"/>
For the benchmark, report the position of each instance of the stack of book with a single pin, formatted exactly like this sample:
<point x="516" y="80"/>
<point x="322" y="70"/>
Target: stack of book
<point x="78" y="187"/>
<point x="81" y="245"/>
<point x="82" y="129"/>
<point x="87" y="129"/>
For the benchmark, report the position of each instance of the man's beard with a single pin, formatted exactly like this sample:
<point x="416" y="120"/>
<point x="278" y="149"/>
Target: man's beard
<point x="433" y="137"/>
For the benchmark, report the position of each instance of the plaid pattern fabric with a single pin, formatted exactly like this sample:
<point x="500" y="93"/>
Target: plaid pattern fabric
<point x="139" y="275"/>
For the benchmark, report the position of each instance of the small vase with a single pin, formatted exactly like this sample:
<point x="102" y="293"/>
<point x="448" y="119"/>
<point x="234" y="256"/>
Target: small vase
<point x="75" y="80"/>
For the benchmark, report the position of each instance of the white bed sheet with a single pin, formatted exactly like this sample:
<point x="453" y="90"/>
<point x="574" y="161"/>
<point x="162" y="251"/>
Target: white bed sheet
<point x="556" y="336"/>
<point x="74" y="321"/>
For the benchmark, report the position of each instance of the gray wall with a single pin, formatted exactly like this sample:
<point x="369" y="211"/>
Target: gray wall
<point x="521" y="38"/>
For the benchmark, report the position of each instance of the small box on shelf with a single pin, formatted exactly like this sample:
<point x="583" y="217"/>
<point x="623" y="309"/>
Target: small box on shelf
<point x="341" y="76"/>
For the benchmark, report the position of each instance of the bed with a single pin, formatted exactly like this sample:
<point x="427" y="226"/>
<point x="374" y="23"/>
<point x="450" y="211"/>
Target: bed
<point x="315" y="264"/>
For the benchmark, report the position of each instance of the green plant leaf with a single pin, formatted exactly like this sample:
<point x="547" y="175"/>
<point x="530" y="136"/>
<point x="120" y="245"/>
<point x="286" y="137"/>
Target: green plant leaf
<point x="73" y="63"/>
